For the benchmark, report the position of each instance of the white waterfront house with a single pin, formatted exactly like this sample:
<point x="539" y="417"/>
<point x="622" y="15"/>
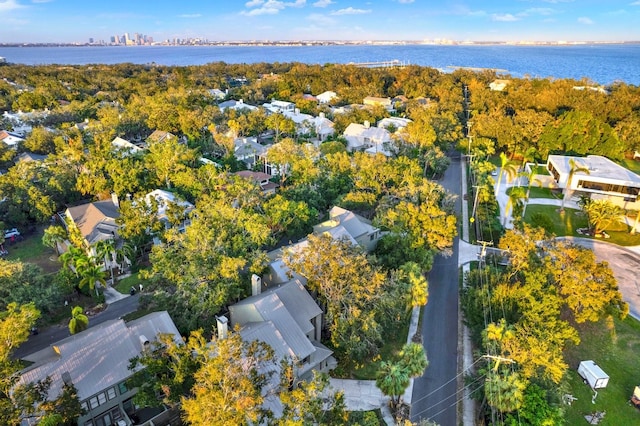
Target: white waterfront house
<point x="605" y="179"/>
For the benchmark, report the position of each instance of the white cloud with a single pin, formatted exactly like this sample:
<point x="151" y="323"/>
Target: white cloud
<point x="260" y="11"/>
<point x="585" y="20"/>
<point x="269" y="7"/>
<point x="557" y="1"/>
<point x="320" y="19"/>
<point x="323" y="3"/>
<point x="190" y="15"/>
<point x="635" y="3"/>
<point x="504" y="17"/>
<point x="8" y="5"/>
<point x="465" y="11"/>
<point x="539" y="11"/>
<point x="350" y="11"/>
<point x="405" y="1"/>
<point x="41" y="1"/>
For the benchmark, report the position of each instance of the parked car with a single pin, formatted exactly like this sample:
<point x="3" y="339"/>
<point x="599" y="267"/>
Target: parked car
<point x="11" y="233"/>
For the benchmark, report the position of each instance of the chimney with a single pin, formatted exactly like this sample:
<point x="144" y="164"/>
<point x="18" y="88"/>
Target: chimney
<point x="256" y="285"/>
<point x="114" y="199"/>
<point x="296" y="111"/>
<point x="223" y="327"/>
<point x="144" y="342"/>
<point x="240" y="101"/>
<point x="322" y="115"/>
<point x="66" y="378"/>
<point x="367" y="124"/>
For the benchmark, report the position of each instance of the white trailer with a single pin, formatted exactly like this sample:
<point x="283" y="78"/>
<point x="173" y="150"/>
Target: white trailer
<point x="593" y="375"/>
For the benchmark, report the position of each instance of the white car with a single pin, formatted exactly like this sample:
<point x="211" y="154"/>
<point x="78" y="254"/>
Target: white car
<point x="11" y="233"/>
<point x="494" y="173"/>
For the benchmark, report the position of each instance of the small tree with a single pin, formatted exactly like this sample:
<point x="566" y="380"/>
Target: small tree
<point x="392" y="380"/>
<point x="574" y="168"/>
<point x="601" y="214"/>
<point x="90" y="275"/>
<point x="394" y="376"/>
<point x="79" y="321"/>
<point x="53" y="236"/>
<point x="508" y="168"/>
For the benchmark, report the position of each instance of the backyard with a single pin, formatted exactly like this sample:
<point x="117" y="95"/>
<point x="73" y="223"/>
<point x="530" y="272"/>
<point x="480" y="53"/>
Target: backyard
<point x="614" y="346"/>
<point x="31" y="250"/>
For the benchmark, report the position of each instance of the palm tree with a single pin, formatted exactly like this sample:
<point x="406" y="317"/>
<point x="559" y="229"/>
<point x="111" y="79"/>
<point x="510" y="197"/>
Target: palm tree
<point x="528" y="155"/>
<point x="124" y="254"/>
<point x="104" y="251"/>
<point x="91" y="274"/>
<point x="74" y="259"/>
<point x="516" y="195"/>
<point x="79" y="321"/>
<point x="53" y="236"/>
<point x="508" y="168"/>
<point x="504" y="392"/>
<point x="392" y="380"/>
<point x="531" y="179"/>
<point x="414" y="359"/>
<point x="574" y="168"/>
<point x="601" y="213"/>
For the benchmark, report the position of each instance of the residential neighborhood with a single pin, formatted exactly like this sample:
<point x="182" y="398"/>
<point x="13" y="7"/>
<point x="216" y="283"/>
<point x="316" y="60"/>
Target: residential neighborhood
<point x="236" y="244"/>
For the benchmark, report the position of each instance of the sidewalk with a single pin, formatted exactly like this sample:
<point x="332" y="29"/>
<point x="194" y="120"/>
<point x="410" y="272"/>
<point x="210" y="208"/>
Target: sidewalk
<point x="112" y="295"/>
<point x="364" y="395"/>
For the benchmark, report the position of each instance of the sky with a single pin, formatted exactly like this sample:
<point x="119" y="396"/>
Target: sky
<point x="71" y="21"/>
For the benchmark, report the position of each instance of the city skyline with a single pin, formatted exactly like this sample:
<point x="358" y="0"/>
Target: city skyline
<point x="72" y="21"/>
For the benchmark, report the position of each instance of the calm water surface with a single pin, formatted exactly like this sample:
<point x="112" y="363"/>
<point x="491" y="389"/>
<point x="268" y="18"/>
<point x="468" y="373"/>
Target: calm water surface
<point x="602" y="64"/>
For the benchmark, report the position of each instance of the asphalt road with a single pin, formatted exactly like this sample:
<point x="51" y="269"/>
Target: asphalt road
<point x="50" y="335"/>
<point x="434" y="394"/>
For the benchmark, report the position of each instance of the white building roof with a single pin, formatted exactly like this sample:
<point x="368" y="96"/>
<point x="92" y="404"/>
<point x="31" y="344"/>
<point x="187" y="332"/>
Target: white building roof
<point x="233" y="104"/>
<point x="164" y="199"/>
<point x="124" y="144"/>
<point x="600" y="168"/>
<point x="397" y="122"/>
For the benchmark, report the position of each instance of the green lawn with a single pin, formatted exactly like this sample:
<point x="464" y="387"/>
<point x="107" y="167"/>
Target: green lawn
<point x="617" y="354"/>
<point x="563" y="224"/>
<point x="538" y="192"/>
<point x="31" y="250"/>
<point x="124" y="285"/>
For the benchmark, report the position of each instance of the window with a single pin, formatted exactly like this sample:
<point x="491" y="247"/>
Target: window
<point x="93" y="402"/>
<point x="84" y="406"/>
<point x="111" y="393"/>
<point x="102" y="398"/>
<point x="122" y="387"/>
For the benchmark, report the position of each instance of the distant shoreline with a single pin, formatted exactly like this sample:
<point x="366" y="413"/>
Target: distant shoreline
<point x="333" y="43"/>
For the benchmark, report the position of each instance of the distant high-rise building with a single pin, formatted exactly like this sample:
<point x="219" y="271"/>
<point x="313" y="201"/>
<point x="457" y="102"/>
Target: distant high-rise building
<point x="90" y="40"/>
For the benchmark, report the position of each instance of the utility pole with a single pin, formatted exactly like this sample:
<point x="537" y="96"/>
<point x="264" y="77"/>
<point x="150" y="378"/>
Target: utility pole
<point x="483" y="251"/>
<point x="498" y="360"/>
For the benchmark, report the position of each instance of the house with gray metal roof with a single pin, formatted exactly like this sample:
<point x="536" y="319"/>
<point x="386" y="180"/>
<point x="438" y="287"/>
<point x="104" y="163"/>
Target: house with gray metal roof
<point x="286" y="317"/>
<point x="96" y="361"/>
<point x="343" y="223"/>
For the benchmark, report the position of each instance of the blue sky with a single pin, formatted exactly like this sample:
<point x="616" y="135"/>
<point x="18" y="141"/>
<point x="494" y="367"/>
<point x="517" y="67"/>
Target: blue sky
<point x="474" y="20"/>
